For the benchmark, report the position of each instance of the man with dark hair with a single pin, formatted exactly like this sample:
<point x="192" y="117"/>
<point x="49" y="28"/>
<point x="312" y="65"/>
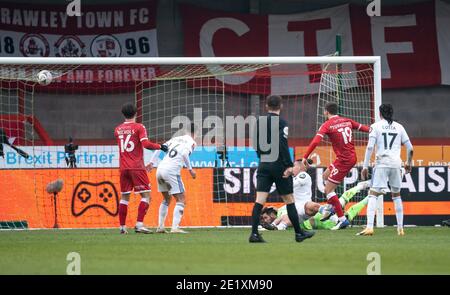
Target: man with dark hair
<point x="388" y="136"/>
<point x="132" y="138"/>
<point x="339" y="131"/>
<point x="274" y="161"/>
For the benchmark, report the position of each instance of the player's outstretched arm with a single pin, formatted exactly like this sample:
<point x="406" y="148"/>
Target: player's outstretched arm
<point x="147" y="144"/>
<point x="314" y="143"/>
<point x="360" y="127"/>
<point x="153" y="160"/>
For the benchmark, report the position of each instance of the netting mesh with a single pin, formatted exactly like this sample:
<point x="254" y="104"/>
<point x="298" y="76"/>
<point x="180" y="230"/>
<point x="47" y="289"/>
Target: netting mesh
<point x="353" y="91"/>
<point x="84" y="102"/>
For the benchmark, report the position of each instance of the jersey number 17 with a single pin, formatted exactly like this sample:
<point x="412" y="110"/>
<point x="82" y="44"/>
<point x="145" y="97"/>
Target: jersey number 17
<point x="385" y="137"/>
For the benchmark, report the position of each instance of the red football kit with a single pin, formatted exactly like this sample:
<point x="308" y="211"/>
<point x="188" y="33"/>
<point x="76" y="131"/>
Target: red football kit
<point x="132" y="139"/>
<point x="339" y="131"/>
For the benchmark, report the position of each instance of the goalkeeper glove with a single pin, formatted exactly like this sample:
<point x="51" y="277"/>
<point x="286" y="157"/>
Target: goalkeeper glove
<point x="269" y="226"/>
<point x="164" y="148"/>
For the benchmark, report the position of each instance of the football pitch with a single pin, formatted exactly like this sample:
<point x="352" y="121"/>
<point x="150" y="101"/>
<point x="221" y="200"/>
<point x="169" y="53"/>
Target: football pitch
<point x="423" y="250"/>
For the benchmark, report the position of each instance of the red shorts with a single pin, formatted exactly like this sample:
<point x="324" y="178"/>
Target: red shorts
<point x="136" y="180"/>
<point x="339" y="170"/>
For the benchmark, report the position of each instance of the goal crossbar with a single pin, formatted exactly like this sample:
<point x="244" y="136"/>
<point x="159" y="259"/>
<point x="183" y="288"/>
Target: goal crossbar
<point x="191" y="60"/>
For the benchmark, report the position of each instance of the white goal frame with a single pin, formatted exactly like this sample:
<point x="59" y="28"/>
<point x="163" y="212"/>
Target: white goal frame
<point x="375" y="60"/>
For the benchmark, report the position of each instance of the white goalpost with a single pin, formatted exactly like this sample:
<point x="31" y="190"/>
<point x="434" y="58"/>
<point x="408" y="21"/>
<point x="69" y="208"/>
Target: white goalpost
<point x="211" y="92"/>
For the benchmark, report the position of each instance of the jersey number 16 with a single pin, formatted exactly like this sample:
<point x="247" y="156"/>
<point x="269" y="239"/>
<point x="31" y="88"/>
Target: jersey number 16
<point x="126" y="145"/>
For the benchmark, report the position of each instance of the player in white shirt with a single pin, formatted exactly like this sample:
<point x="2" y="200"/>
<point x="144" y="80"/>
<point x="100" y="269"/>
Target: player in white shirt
<point x="302" y="185"/>
<point x="388" y="137"/>
<point x="168" y="176"/>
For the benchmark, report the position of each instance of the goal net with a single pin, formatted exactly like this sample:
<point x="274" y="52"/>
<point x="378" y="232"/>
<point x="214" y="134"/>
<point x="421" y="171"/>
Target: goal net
<point x="221" y="96"/>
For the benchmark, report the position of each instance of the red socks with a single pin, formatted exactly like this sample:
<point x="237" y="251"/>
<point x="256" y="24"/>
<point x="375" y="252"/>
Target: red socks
<point x="123" y="210"/>
<point x="334" y="200"/>
<point x="142" y="210"/>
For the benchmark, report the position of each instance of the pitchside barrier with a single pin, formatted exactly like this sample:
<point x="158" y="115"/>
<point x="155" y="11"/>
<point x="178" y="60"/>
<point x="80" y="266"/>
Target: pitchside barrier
<point x="89" y="198"/>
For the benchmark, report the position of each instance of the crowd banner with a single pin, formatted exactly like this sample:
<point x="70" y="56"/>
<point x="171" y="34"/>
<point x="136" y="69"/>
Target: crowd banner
<point x="119" y="30"/>
<point x="402" y="35"/>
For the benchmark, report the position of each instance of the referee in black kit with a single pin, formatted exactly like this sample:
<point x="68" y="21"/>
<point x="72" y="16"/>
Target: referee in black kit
<point x="274" y="167"/>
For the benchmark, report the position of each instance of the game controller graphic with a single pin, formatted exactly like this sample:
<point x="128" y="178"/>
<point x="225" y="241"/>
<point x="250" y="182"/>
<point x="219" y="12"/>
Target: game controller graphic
<point x="87" y="195"/>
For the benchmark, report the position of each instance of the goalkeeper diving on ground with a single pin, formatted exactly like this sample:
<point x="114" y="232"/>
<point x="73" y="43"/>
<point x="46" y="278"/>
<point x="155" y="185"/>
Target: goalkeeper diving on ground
<point x="312" y="215"/>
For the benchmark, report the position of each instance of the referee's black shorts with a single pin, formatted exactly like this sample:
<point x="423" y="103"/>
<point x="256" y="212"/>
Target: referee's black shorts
<point x="269" y="173"/>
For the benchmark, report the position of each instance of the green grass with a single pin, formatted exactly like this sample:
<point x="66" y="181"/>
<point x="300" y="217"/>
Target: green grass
<point x="423" y="250"/>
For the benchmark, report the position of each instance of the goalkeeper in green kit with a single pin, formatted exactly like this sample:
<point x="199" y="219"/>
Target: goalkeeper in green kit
<point x="311" y="213"/>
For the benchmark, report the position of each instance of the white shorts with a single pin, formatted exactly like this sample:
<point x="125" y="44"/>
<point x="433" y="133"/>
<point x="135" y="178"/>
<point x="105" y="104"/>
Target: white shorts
<point x="300" y="206"/>
<point x="384" y="177"/>
<point x="169" y="182"/>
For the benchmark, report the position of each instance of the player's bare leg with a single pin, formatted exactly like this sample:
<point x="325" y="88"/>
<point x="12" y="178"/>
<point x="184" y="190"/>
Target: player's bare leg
<point x="178" y="213"/>
<point x="261" y="198"/>
<point x="300" y="234"/>
<point x="142" y="210"/>
<point x="123" y="210"/>
<point x="163" y="209"/>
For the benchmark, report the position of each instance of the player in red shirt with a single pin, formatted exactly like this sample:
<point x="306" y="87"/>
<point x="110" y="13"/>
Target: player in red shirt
<point x="132" y="138"/>
<point x="339" y="131"/>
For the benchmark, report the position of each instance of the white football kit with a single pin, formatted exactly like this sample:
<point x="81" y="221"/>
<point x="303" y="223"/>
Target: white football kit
<point x="388" y="140"/>
<point x="302" y="193"/>
<point x="168" y="173"/>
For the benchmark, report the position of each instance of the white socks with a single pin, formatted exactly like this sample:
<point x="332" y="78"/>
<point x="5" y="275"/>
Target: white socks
<point x="163" y="208"/>
<point x="371" y="208"/>
<point x="398" y="205"/>
<point x="177" y="215"/>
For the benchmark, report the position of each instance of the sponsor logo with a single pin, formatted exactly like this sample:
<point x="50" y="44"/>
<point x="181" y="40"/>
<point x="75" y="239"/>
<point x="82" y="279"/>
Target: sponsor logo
<point x="87" y="195"/>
